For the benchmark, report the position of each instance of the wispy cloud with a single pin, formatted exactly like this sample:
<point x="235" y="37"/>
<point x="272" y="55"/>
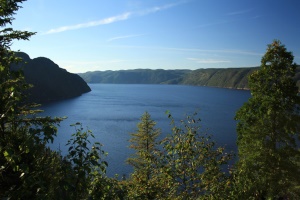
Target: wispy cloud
<point x="89" y="63"/>
<point x="159" y="8"/>
<point x="207" y="51"/>
<point x="240" y="12"/>
<point x="124" y="37"/>
<point x="116" y="18"/>
<point x="229" y="51"/>
<point x="208" y="61"/>
<point x="108" y="20"/>
<point x="214" y="24"/>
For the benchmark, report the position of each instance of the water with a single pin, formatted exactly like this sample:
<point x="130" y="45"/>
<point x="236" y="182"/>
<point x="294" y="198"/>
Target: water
<point x="112" y="112"/>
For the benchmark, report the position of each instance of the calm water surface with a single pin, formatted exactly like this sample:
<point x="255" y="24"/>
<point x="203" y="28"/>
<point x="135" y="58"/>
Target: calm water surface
<point x="112" y="111"/>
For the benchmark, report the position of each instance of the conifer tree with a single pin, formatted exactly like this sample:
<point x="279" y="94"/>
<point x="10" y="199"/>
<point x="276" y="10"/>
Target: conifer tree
<point x="144" y="159"/>
<point x="25" y="161"/>
<point x="268" y="130"/>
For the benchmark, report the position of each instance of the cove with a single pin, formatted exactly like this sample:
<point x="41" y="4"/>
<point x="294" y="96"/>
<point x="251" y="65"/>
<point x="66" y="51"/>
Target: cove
<point x="112" y="111"/>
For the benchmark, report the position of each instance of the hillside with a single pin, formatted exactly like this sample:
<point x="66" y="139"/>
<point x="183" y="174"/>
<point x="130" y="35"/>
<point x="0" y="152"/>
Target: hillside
<point x="137" y="76"/>
<point x="236" y="78"/>
<point x="50" y="82"/>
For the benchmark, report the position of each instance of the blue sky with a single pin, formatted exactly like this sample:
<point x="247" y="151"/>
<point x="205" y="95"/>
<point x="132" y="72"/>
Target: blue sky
<point x="90" y="35"/>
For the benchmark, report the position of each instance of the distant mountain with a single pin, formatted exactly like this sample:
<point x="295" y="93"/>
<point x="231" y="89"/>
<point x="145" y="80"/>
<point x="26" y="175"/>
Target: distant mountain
<point x="137" y="76"/>
<point x="236" y="78"/>
<point x="50" y="82"/>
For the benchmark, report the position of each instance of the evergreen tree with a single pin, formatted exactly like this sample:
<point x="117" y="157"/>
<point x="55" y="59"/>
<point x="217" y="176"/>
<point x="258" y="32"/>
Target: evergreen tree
<point x="268" y="130"/>
<point x="26" y="164"/>
<point x="144" y="160"/>
<point x="29" y="169"/>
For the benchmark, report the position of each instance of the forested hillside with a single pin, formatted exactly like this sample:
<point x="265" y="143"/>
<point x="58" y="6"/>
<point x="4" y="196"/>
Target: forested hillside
<point x="137" y="76"/>
<point x="228" y="78"/>
<point x="186" y="164"/>
<point x="236" y="78"/>
<point x="50" y="82"/>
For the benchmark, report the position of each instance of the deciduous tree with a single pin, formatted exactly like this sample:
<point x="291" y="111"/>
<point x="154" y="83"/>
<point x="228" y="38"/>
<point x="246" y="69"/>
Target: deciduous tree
<point x="87" y="162"/>
<point x="193" y="165"/>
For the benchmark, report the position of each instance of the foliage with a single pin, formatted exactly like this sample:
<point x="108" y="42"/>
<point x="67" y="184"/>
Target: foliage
<point x="24" y="157"/>
<point x="107" y="188"/>
<point x="7" y="35"/>
<point x="184" y="165"/>
<point x="87" y="163"/>
<point x="141" y="184"/>
<point x="28" y="168"/>
<point x="268" y="130"/>
<point x="192" y="164"/>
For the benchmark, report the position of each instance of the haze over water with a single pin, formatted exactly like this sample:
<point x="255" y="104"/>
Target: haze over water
<point x="113" y="111"/>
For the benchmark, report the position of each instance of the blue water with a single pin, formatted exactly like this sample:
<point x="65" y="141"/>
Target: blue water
<point x="112" y="112"/>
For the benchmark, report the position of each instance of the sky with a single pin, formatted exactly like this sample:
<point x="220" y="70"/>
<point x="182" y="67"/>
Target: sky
<point x="99" y="35"/>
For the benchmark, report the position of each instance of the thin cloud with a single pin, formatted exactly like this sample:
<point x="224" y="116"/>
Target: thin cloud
<point x="229" y="51"/>
<point x="159" y="8"/>
<point x="109" y="20"/>
<point x="214" y="24"/>
<point x="88" y="63"/>
<point x="208" y="51"/>
<point x="208" y="61"/>
<point x="124" y="37"/>
<point x="227" y="21"/>
<point x="240" y="12"/>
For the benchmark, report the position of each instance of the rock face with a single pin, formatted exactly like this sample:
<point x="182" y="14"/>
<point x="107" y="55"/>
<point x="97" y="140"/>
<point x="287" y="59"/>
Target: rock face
<point x="50" y="82"/>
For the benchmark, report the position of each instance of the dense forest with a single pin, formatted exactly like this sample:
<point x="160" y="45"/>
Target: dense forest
<point x="50" y="82"/>
<point x="236" y="78"/>
<point x="187" y="164"/>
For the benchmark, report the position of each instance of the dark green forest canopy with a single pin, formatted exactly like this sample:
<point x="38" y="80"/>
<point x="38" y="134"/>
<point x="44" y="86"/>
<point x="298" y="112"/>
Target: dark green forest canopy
<point x="53" y="83"/>
<point x="187" y="166"/>
<point x="50" y="82"/>
<point x="236" y="78"/>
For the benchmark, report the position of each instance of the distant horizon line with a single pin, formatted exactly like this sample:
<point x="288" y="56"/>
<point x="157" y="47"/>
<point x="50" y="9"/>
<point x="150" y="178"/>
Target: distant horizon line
<point x="136" y="69"/>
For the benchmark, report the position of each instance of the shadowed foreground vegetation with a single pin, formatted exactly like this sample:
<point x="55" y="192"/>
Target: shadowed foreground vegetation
<point x="187" y="164"/>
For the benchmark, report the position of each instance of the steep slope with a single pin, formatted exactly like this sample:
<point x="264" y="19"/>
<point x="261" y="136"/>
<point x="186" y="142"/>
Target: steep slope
<point x="137" y="76"/>
<point x="236" y="78"/>
<point x="50" y="82"/>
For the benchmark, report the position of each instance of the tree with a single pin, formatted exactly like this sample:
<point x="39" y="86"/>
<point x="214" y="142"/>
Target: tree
<point x="144" y="160"/>
<point x="193" y="166"/>
<point x="29" y="169"/>
<point x="268" y="130"/>
<point x="88" y="164"/>
<point x="24" y="157"/>
<point x="12" y="83"/>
